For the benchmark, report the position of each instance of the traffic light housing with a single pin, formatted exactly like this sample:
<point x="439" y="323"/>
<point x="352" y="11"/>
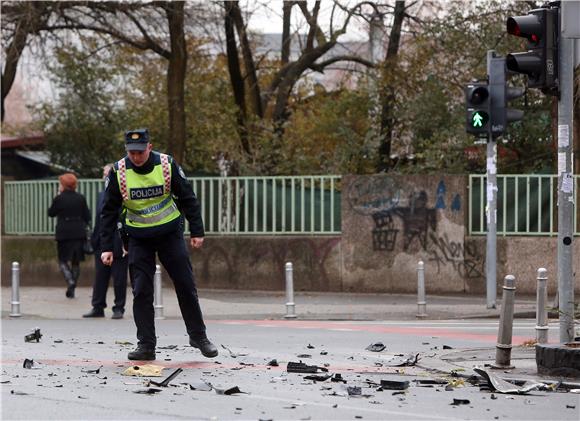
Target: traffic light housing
<point x="477" y="108"/>
<point x="500" y="95"/>
<point x="540" y="62"/>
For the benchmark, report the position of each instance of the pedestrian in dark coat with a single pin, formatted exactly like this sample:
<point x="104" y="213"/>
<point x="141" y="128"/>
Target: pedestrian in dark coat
<point x="72" y="219"/>
<point x="118" y="270"/>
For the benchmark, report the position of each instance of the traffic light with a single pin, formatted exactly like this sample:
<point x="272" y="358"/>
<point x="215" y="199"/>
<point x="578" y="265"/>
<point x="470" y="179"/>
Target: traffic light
<point x="500" y="94"/>
<point x="540" y="62"/>
<point x="477" y="108"/>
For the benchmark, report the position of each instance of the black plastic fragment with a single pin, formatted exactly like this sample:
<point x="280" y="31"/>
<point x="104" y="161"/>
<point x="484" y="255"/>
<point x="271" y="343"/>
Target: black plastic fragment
<point x="230" y="391"/>
<point x="354" y="390"/>
<point x="294" y="367"/>
<point x="318" y="377"/>
<point x="376" y="347"/>
<point x="303" y="356"/>
<point x="34" y="336"/>
<point x="148" y="391"/>
<point x="310" y="346"/>
<point x="447" y="347"/>
<point x="273" y="363"/>
<point x="460" y="402"/>
<point x="337" y="378"/>
<point x="28" y="363"/>
<point x="430" y="382"/>
<point x="394" y="384"/>
<point x="165" y="382"/>
<point x="95" y="371"/>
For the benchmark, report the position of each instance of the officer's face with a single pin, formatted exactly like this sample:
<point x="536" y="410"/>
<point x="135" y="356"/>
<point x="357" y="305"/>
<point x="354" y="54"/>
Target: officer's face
<point x="138" y="158"/>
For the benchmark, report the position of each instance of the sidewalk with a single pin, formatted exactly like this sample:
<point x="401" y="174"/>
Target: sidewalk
<point x="50" y="303"/>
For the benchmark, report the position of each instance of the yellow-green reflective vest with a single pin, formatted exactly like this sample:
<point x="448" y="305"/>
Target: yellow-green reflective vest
<point x="147" y="197"/>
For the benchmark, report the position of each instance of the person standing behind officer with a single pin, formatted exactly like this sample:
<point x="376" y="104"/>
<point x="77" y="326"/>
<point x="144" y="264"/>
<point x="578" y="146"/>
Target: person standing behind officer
<point x="118" y="269"/>
<point x="150" y="185"/>
<point x="72" y="219"/>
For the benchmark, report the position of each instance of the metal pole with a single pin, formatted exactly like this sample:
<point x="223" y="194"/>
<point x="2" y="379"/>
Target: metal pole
<point x="491" y="213"/>
<point x="504" y="337"/>
<point x="15" y="303"/>
<point x="421" y="302"/>
<point x="290" y="310"/>
<point x="565" y="189"/>
<point x="541" y="311"/>
<point x="158" y="294"/>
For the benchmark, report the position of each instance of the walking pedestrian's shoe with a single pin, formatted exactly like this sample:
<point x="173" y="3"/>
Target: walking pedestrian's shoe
<point x="202" y="343"/>
<point x="70" y="291"/>
<point x="117" y="314"/>
<point x="95" y="312"/>
<point x="142" y="354"/>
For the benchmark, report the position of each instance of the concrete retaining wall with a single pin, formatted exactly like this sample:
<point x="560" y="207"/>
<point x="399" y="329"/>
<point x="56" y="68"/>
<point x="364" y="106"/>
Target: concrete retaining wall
<point x="389" y="223"/>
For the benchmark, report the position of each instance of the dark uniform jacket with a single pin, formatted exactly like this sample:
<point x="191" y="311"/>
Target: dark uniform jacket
<point x="72" y="215"/>
<point x="182" y="193"/>
<point x="96" y="236"/>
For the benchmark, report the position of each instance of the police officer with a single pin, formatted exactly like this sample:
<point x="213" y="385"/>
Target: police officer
<point x="153" y="191"/>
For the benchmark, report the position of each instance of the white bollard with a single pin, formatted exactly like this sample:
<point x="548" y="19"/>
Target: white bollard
<point x="158" y="294"/>
<point x="503" y="350"/>
<point x="541" y="311"/>
<point x="421" y="301"/>
<point x="15" y="303"/>
<point x="290" y="308"/>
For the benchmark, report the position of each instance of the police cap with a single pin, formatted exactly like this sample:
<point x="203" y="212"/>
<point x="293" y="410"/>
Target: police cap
<point x="136" y="140"/>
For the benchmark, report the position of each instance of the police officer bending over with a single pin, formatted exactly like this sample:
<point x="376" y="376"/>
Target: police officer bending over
<point x="147" y="185"/>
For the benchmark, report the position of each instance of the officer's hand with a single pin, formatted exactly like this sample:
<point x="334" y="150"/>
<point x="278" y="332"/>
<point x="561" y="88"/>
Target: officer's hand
<point x="196" y="242"/>
<point x="107" y="258"/>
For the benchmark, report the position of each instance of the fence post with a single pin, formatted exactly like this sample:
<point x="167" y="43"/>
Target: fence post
<point x="421" y="301"/>
<point x="504" y="337"/>
<point x="541" y="311"/>
<point x="158" y="293"/>
<point x="290" y="310"/>
<point x="15" y="303"/>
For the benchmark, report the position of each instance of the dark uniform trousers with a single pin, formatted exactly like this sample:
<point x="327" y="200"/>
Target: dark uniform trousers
<point x="118" y="271"/>
<point x="174" y="257"/>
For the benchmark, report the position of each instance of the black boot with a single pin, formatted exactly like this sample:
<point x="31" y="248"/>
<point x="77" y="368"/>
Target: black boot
<point x="142" y="354"/>
<point x="95" y="312"/>
<point x="69" y="278"/>
<point x="202" y="343"/>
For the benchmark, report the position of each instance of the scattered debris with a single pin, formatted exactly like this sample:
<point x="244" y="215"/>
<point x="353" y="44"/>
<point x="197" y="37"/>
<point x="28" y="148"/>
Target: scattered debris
<point x="16" y="392"/>
<point x="376" y="347"/>
<point x="493" y="397"/>
<point x="123" y="343"/>
<point x="394" y="384"/>
<point x="147" y="370"/>
<point x="30" y="364"/>
<point x="570" y="406"/>
<point x="148" y="391"/>
<point x="57" y="341"/>
<point x="95" y="371"/>
<point x="34" y="336"/>
<point x="273" y="363"/>
<point x="456" y="383"/>
<point x="230" y="391"/>
<point x="303" y="356"/>
<point x="503" y="386"/>
<point x="408" y="361"/>
<point x="310" y="346"/>
<point x="319" y="377"/>
<point x="529" y="343"/>
<point x="460" y="402"/>
<point x="294" y="367"/>
<point x="354" y="391"/>
<point x="201" y="386"/>
<point x="233" y="354"/>
<point x="165" y="382"/>
<point x="447" y="347"/>
<point x="323" y="352"/>
<point x="400" y="392"/>
<point x="429" y="382"/>
<point x="167" y="347"/>
<point x="337" y="378"/>
<point x="574" y="390"/>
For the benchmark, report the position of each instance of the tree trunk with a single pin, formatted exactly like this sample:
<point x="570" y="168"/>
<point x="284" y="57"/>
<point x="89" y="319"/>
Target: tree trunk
<point x="388" y="92"/>
<point x="176" y="70"/>
<point x="286" y="38"/>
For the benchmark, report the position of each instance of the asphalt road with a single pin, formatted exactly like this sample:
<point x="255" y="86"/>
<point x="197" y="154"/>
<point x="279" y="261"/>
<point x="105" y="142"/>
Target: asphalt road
<point x="61" y="387"/>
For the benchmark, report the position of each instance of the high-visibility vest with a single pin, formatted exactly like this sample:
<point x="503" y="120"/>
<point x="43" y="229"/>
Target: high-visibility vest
<point x="147" y="197"/>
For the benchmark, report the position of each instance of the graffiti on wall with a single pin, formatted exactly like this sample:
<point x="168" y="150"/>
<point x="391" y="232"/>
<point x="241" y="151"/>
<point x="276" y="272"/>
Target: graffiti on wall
<point x="464" y="258"/>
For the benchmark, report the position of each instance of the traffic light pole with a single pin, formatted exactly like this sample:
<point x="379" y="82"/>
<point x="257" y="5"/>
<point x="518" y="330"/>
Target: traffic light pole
<point x="565" y="191"/>
<point x="491" y="213"/>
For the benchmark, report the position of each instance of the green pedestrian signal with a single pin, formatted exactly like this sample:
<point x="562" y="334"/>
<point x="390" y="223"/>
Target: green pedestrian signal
<point x="479" y="119"/>
<point x="477" y="108"/>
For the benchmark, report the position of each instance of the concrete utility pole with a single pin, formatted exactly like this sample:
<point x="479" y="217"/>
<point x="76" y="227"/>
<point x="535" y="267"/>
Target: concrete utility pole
<point x="565" y="174"/>
<point x="491" y="211"/>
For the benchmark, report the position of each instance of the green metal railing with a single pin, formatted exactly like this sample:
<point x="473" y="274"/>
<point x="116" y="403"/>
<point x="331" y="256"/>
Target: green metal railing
<point x="233" y="205"/>
<point x="526" y="205"/>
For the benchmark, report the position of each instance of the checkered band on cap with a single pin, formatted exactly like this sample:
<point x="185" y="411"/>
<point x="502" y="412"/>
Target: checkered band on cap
<point x="166" y="167"/>
<point x="123" y="179"/>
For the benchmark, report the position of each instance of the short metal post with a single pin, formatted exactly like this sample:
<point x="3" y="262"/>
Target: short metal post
<point x="158" y="294"/>
<point x="506" y="321"/>
<point x="15" y="303"/>
<point x="541" y="311"/>
<point x="421" y="302"/>
<point x="290" y="310"/>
